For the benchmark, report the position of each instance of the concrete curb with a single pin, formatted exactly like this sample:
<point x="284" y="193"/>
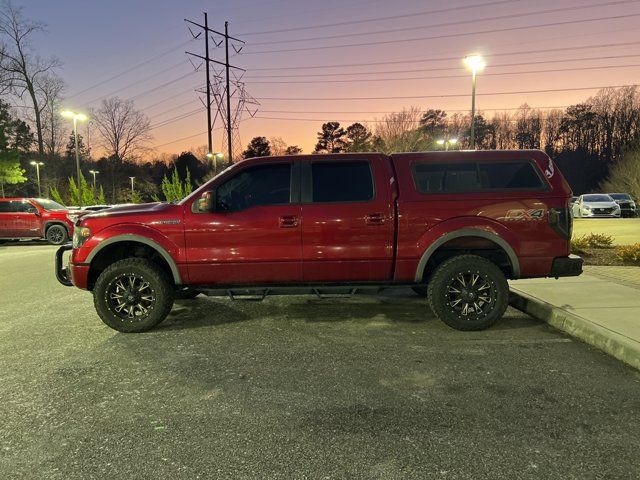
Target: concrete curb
<point x="619" y="346"/>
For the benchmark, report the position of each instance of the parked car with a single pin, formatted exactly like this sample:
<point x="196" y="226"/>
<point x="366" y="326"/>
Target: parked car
<point x="595" y="205"/>
<point x="626" y="203"/>
<point x="454" y="224"/>
<point x="22" y="218"/>
<point x="95" y="208"/>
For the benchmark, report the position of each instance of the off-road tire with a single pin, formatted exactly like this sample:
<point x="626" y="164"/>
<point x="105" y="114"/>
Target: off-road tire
<point x="57" y="235"/>
<point x="440" y="296"/>
<point x="160" y="286"/>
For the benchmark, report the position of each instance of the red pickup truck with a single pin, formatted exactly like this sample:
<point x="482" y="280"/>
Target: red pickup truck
<point x="23" y="218"/>
<point x="452" y="225"/>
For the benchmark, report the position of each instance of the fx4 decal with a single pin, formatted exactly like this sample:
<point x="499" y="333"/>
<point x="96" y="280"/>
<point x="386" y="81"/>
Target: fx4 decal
<point x="524" y="215"/>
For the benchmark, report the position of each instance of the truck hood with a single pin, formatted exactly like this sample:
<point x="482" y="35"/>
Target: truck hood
<point x="144" y="208"/>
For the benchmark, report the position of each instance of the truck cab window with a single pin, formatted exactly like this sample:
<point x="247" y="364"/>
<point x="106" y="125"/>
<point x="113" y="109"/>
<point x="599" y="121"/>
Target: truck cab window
<point x="260" y="185"/>
<point x="342" y="181"/>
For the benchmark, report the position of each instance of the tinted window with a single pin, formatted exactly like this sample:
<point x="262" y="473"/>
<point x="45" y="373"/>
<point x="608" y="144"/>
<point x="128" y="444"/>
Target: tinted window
<point x="5" y="207"/>
<point x="260" y="185"/>
<point x="597" y="198"/>
<point x="474" y="177"/>
<point x="341" y="181"/>
<point x="23" y="207"/>
<point x="49" y="204"/>
<point x="506" y="175"/>
<point x="620" y="196"/>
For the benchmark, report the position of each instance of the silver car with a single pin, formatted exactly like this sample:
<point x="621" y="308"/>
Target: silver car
<point x="595" y="205"/>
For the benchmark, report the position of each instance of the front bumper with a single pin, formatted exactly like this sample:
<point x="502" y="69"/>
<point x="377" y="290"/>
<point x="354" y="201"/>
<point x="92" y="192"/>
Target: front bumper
<point x="570" y="266"/>
<point x="62" y="273"/>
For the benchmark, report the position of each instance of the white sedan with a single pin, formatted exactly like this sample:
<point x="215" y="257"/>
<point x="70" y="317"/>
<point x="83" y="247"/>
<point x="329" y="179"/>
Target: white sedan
<point x="595" y="205"/>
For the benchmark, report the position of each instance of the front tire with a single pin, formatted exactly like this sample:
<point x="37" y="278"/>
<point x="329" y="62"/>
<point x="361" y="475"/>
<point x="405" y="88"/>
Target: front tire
<point x="133" y="295"/>
<point x="468" y="292"/>
<point x="57" y="235"/>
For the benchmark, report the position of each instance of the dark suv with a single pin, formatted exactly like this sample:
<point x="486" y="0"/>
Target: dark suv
<point x="22" y="218"/>
<point x="627" y="204"/>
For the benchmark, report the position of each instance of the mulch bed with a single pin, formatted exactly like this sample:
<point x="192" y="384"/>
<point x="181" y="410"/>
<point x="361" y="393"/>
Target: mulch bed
<point x="603" y="256"/>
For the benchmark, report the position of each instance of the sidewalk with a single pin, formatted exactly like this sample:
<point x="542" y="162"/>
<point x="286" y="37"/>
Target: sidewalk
<point x="601" y="307"/>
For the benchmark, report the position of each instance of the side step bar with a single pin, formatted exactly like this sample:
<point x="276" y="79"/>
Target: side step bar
<point x="323" y="292"/>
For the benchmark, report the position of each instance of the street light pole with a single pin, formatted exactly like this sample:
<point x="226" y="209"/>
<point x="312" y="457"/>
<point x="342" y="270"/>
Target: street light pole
<point x="475" y="63"/>
<point x="76" y="117"/>
<point x="94" y="173"/>
<point x="132" y="187"/>
<point x="37" y="165"/>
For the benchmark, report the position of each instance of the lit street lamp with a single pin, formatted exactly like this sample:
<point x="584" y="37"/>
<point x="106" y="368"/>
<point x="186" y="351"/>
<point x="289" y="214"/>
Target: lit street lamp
<point x="76" y="117"/>
<point x="38" y="165"/>
<point x="476" y="64"/>
<point x="447" y="142"/>
<point x="215" y="157"/>
<point x="94" y="173"/>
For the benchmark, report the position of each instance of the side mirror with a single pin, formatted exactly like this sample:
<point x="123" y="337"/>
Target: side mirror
<point x="206" y="202"/>
<point x="34" y="211"/>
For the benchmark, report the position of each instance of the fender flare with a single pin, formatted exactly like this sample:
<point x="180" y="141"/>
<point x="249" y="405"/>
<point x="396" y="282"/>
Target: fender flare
<point x="127" y="237"/>
<point x="468" y="232"/>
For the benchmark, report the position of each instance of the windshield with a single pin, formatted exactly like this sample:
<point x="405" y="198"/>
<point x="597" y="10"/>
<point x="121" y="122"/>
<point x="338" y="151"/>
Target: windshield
<point x="620" y="196"/>
<point x="49" y="204"/>
<point x="597" y="198"/>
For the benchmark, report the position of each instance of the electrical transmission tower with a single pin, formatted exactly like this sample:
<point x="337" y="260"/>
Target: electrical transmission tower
<point x="224" y="86"/>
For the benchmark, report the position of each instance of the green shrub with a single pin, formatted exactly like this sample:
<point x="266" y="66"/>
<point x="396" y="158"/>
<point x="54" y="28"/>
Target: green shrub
<point x="629" y="253"/>
<point x="579" y="244"/>
<point x="599" y="240"/>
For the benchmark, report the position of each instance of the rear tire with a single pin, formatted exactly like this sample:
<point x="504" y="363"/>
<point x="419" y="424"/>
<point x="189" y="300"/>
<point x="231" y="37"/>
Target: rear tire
<point x="468" y="292"/>
<point x="133" y="295"/>
<point x="57" y="235"/>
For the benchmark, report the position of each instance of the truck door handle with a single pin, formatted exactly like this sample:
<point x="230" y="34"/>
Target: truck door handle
<point x="374" y="219"/>
<point x="288" y="221"/>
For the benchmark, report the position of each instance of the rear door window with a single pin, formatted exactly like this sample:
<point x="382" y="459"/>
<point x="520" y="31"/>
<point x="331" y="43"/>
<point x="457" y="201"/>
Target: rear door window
<point x="341" y="181"/>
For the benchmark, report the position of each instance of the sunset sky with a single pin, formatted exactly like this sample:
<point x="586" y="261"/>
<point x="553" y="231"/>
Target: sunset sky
<point x="136" y="49"/>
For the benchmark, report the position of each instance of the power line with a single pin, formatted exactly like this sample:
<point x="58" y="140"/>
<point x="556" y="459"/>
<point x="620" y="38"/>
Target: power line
<point x="417" y="70"/>
<point x="450" y="24"/>
<point x="435" y="77"/>
<point x="439" y="59"/>
<point x="133" y="84"/>
<point x="452" y="95"/>
<point x="434" y="37"/>
<point x="334" y="112"/>
<point x="378" y="19"/>
<point x="135" y="67"/>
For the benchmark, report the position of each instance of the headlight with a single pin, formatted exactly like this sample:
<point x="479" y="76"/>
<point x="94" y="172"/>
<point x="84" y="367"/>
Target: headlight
<point x="80" y="235"/>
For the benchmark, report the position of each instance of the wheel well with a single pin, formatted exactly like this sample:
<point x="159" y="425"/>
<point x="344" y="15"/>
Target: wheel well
<point x="50" y="224"/>
<point x="482" y="247"/>
<point x="121" y="250"/>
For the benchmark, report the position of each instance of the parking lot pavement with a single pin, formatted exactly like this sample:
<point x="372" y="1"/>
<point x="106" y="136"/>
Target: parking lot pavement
<point x="299" y="388"/>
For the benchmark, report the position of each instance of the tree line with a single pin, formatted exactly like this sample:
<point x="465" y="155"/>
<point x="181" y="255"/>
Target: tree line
<point x="590" y="140"/>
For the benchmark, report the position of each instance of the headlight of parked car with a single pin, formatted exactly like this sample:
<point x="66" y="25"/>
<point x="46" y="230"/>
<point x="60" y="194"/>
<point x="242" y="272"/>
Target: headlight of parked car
<point x="80" y="235"/>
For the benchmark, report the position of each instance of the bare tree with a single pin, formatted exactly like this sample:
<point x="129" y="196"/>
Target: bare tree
<point x="123" y="129"/>
<point x="399" y="132"/>
<point x="54" y="130"/>
<point x="20" y="69"/>
<point x="278" y="146"/>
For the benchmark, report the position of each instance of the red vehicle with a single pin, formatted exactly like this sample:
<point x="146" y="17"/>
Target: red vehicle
<point x="452" y="225"/>
<point x="22" y="218"/>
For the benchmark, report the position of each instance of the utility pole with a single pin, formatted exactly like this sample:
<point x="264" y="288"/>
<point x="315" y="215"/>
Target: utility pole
<point x="226" y="61"/>
<point x="227" y="67"/>
<point x="206" y="55"/>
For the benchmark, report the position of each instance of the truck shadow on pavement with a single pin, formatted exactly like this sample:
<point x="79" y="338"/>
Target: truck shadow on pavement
<point x="388" y="309"/>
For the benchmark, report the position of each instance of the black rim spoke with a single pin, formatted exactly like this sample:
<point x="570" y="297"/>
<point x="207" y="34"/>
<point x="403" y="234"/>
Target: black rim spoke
<point x="471" y="295"/>
<point x="130" y="297"/>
